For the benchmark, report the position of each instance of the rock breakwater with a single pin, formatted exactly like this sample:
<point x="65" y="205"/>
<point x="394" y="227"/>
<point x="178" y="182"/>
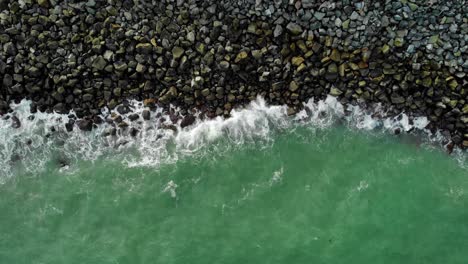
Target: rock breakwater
<point x="217" y="55"/>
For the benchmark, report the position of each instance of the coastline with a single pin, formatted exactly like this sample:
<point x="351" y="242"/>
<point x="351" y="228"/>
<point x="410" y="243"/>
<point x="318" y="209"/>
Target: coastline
<point x="215" y="56"/>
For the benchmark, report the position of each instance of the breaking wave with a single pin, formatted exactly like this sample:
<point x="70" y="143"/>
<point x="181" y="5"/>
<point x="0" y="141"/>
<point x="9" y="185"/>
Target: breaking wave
<point x="31" y="141"/>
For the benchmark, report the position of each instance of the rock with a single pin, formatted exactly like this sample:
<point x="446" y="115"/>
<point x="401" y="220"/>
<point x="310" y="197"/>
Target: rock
<point x="241" y="56"/>
<point x="187" y="121"/>
<point x="296" y="61"/>
<point x="335" y="55"/>
<point x="319" y="15"/>
<point x="145" y="48"/>
<point x="43" y="3"/>
<point x="15" y="122"/>
<point x="84" y="125"/>
<point x="123" y="109"/>
<point x="88" y="97"/>
<point x="9" y="48"/>
<point x="335" y="91"/>
<point x="224" y="65"/>
<point x="120" y="66"/>
<point x="7" y="80"/>
<point x="191" y="36"/>
<point x="133" y="132"/>
<point x="205" y="92"/>
<point x="332" y="68"/>
<point x="291" y="111"/>
<point x="293" y="86"/>
<point x="308" y="3"/>
<point x="278" y="31"/>
<point x="177" y="52"/>
<point x="69" y="126"/>
<point x="397" y="99"/>
<point x="99" y="63"/>
<point x="140" y="68"/>
<point x="294" y="28"/>
<point x="146" y="114"/>
<point x="133" y="117"/>
<point x="257" y="54"/>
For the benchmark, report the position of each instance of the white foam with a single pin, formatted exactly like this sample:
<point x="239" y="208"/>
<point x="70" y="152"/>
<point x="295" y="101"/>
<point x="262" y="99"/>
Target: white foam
<point x="155" y="145"/>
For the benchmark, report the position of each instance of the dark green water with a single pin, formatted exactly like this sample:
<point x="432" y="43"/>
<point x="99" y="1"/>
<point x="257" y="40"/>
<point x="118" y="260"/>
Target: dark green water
<point x="330" y="196"/>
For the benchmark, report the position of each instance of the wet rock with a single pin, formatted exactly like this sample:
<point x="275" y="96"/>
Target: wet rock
<point x="133" y="117"/>
<point x="15" y="122"/>
<point x="187" y="121"/>
<point x="84" y="125"/>
<point x="146" y="114"/>
<point x="133" y="132"/>
<point x="123" y="109"/>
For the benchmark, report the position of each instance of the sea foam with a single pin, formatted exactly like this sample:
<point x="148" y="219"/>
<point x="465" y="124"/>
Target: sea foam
<point x="42" y="137"/>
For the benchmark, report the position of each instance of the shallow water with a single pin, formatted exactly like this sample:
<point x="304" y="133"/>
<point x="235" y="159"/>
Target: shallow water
<point x="240" y="191"/>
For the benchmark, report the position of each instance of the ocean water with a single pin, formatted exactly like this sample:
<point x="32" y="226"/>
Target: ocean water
<point x="331" y="185"/>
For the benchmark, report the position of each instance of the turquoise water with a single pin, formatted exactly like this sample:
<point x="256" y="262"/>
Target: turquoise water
<point x="331" y="195"/>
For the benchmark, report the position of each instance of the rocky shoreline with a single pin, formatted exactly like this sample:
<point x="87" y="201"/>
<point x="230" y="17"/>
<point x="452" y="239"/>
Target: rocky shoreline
<point x="215" y="55"/>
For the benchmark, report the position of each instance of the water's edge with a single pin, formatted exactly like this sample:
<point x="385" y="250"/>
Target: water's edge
<point x="30" y="141"/>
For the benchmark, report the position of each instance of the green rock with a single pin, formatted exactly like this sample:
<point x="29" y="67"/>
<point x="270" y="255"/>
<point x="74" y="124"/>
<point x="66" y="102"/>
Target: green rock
<point x="296" y="61"/>
<point x="465" y="109"/>
<point x="252" y="28"/>
<point x="342" y="69"/>
<point x="205" y="92"/>
<point x="257" y="54"/>
<point x="43" y="3"/>
<point x="335" y="55"/>
<point x="241" y="56"/>
<point x="427" y="82"/>
<point x="335" y="91"/>
<point x="33" y="71"/>
<point x="293" y="86"/>
<point x="332" y="68"/>
<point x="345" y="24"/>
<point x="120" y="66"/>
<point x="118" y="91"/>
<point x="453" y="103"/>
<point x="453" y="84"/>
<point x="413" y="6"/>
<point x="140" y="68"/>
<point x="200" y="48"/>
<point x="399" y="42"/>
<point x="144" y="47"/>
<point x="294" y="29"/>
<point x="99" y="63"/>
<point x="433" y="39"/>
<point x="231" y="98"/>
<point x="177" y="52"/>
<point x="4" y="38"/>
<point x="208" y="58"/>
